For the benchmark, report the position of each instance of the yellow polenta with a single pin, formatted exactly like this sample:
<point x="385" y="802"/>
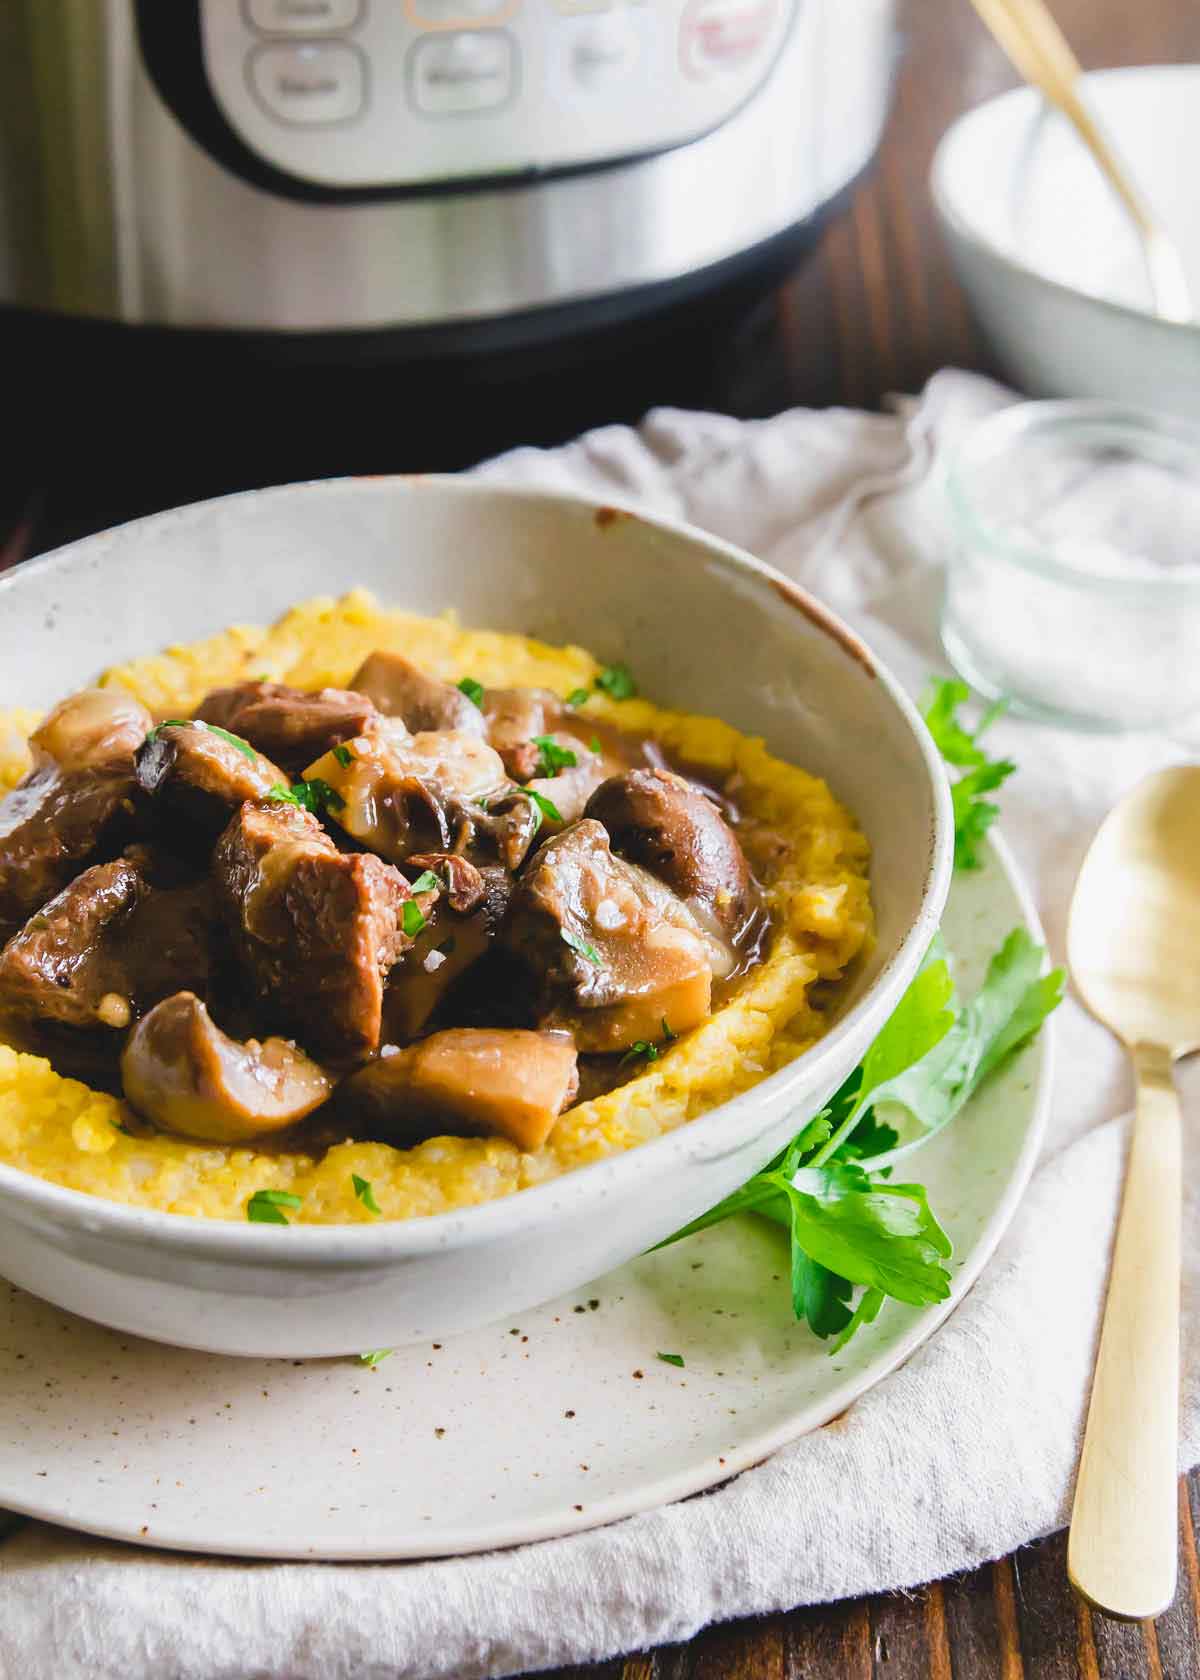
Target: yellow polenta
<point x="817" y="890"/>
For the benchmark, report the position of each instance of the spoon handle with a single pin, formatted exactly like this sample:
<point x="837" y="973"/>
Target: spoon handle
<point x="1124" y="1523"/>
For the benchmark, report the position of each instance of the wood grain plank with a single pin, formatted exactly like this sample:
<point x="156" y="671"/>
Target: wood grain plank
<point x="900" y="1637"/>
<point x="749" y="1650"/>
<point x="829" y="1642"/>
<point x="1046" y="1613"/>
<point x="975" y="1634"/>
<point x="1177" y="1633"/>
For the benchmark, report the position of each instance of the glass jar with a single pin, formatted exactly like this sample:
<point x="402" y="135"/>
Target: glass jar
<point x="1073" y="583"/>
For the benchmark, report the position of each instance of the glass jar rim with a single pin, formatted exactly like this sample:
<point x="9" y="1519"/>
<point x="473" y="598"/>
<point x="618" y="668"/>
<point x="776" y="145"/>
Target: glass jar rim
<point x="1005" y="430"/>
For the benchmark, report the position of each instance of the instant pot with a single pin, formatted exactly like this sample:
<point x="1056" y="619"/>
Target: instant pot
<point x="318" y="235"/>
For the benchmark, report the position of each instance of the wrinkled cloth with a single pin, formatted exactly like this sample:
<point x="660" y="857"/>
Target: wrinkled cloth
<point x="961" y="1455"/>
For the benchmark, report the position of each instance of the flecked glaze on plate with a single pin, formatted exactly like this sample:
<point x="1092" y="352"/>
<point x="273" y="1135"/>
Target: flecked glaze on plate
<point x="561" y="1419"/>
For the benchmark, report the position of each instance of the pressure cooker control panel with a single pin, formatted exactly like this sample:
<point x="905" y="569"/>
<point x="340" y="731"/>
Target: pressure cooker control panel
<point x="394" y="93"/>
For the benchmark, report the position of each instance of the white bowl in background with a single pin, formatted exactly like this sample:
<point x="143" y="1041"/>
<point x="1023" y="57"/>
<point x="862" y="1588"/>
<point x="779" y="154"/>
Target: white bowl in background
<point x="708" y="629"/>
<point x="1050" y="263"/>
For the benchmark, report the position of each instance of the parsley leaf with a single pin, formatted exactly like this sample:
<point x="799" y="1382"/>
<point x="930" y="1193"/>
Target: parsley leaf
<point x="412" y="918"/>
<point x="830" y="1188"/>
<point x="314" y="796"/>
<point x="364" y="1192"/>
<point x="617" y="682"/>
<point x="578" y="697"/>
<point x="643" y="1048"/>
<point x="376" y="1356"/>
<point x="959" y="746"/>
<point x="551" y="757"/>
<point x="426" y="881"/>
<point x="265" y="1207"/>
<point x="671" y="1359"/>
<point x="244" y="747"/>
<point x="581" y="947"/>
<point x="344" y="756"/>
<point x="668" y="1035"/>
<point x="544" y="807"/>
<point x="473" y="690"/>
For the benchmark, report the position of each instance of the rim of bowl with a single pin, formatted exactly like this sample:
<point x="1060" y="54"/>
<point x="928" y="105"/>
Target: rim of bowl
<point x="1003" y="431"/>
<point x="353" y="1245"/>
<point x="956" y="220"/>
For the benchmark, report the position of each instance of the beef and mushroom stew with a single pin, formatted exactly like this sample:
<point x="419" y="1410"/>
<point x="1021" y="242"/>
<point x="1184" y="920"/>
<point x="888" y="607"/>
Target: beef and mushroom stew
<point x="440" y="927"/>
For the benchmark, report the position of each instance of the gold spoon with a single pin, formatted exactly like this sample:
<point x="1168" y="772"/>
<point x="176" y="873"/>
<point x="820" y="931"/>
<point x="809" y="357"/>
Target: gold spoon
<point x="1134" y="947"/>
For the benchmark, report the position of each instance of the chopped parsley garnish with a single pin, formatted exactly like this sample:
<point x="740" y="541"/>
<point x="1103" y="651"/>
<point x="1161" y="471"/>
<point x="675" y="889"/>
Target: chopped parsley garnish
<point x="427" y="881"/>
<point x="551" y="757"/>
<point x="578" y="697"/>
<point x="641" y="1048"/>
<point x="959" y="746"/>
<point x="244" y="747"/>
<point x="412" y="918"/>
<point x="594" y="743"/>
<point x="376" y="1356"/>
<point x="315" y="796"/>
<point x="364" y="1192"/>
<point x="544" y="807"/>
<point x="671" y="1359"/>
<point x="668" y="1035"/>
<point x="118" y="1127"/>
<point x="581" y="947"/>
<point x="344" y="756"/>
<point x="266" y="1207"/>
<point x="617" y="682"/>
<point x="473" y="691"/>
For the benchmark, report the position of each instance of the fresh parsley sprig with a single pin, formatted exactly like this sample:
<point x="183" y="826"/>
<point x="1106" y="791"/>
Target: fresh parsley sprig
<point x="959" y="746"/>
<point x="314" y="796"/>
<point x="617" y="682"/>
<point x="551" y="757"/>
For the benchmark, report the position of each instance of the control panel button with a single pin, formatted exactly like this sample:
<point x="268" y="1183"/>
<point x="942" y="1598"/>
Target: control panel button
<point x="716" y="35"/>
<point x="604" y="50"/>
<point x="454" y="75"/>
<point x="317" y="82"/>
<point x="303" y="17"/>
<point x="458" y="14"/>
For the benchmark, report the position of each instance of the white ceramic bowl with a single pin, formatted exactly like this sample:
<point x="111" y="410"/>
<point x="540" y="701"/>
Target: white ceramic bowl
<point x="706" y="628"/>
<point x="1047" y="258"/>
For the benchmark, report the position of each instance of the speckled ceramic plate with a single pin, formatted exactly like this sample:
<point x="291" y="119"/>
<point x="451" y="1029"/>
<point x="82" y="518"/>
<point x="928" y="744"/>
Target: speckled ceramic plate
<point x="562" y="1420"/>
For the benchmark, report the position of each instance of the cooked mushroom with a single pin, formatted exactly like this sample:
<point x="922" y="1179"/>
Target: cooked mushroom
<point x="514" y="718"/>
<point x="314" y="929"/>
<point x="467" y="1081"/>
<point x="458" y="934"/>
<point x="198" y="775"/>
<point x="617" y="953"/>
<point x="181" y="1071"/>
<point x="75" y="806"/>
<point x="288" y="725"/>
<point x="422" y="793"/>
<point x="420" y="701"/>
<point x="657" y="819"/>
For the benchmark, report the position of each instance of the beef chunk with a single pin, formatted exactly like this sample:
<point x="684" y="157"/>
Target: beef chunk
<point x="181" y="1071"/>
<point x="659" y="820"/>
<point x="465" y="1082"/>
<point x="75" y="806"/>
<point x="197" y="777"/>
<point x="108" y="947"/>
<point x="421" y="702"/>
<point x="287" y="725"/>
<point x="315" y="929"/>
<point x="616" y="953"/>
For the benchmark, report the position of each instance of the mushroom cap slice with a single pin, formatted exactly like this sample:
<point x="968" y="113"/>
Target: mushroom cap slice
<point x="181" y="1071"/>
<point x="472" y="1081"/>
<point x="400" y="689"/>
<point x="98" y="727"/>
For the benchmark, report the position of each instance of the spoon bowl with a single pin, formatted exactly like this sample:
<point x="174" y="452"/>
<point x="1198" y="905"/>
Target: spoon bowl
<point x="1133" y="942"/>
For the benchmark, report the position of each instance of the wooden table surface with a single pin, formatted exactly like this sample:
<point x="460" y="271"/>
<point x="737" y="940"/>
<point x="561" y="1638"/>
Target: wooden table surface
<point x="880" y="308"/>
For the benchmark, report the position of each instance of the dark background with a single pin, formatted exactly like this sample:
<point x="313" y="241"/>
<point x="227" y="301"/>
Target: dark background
<point x="874" y="310"/>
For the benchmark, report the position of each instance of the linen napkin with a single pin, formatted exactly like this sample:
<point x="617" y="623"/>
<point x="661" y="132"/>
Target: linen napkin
<point x="965" y="1452"/>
